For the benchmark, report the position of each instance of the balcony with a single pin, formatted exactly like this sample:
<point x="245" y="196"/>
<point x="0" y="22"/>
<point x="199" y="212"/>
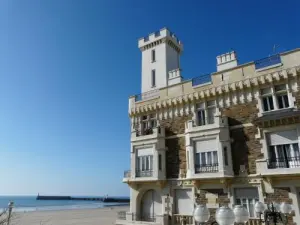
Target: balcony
<point x="287" y="162"/>
<point x="278" y="166"/>
<point x="127" y="174"/>
<point x="147" y="95"/>
<point x="268" y="62"/>
<point x="207" y="168"/>
<point x="149" y="133"/>
<point x="203" y="79"/>
<point x="206" y="121"/>
<point x="209" y="123"/>
<point x="144" y="173"/>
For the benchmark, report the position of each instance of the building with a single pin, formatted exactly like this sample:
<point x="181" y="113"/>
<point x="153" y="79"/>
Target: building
<point x="229" y="137"/>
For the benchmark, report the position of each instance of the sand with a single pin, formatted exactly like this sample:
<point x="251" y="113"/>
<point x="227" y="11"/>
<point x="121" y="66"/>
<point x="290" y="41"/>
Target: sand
<point x="102" y="216"/>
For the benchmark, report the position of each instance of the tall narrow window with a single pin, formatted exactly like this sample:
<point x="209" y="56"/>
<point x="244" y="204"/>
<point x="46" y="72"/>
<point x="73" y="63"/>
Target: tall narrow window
<point x="159" y="161"/>
<point x="282" y="97"/>
<point x="225" y="156"/>
<point x="153" y="81"/>
<point x="153" y="55"/>
<point x="267" y="99"/>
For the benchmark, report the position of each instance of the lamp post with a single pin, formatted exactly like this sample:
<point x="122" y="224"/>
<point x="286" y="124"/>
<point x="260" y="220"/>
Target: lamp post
<point x="224" y="215"/>
<point x="274" y="213"/>
<point x="10" y="207"/>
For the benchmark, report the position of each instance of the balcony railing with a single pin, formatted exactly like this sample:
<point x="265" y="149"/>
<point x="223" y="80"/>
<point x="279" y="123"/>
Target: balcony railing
<point x="144" y="173"/>
<point x="143" y="217"/>
<point x="127" y="174"/>
<point x="144" y="132"/>
<point x="206" y="121"/>
<point x="285" y="162"/>
<point x="183" y="219"/>
<point x="147" y="95"/>
<point x="207" y="168"/>
<point x="201" y="80"/>
<point x="269" y="61"/>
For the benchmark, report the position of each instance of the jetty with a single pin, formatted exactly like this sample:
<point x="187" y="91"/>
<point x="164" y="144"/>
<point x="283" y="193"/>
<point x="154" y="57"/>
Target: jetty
<point x="101" y="199"/>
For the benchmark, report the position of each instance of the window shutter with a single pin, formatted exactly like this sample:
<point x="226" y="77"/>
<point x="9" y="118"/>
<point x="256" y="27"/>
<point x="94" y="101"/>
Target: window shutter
<point x="206" y="145"/>
<point x="283" y="137"/>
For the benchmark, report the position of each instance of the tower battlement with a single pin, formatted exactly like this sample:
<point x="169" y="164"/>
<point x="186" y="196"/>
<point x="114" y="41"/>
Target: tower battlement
<point x="163" y="33"/>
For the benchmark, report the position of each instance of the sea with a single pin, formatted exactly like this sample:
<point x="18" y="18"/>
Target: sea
<point x="29" y="203"/>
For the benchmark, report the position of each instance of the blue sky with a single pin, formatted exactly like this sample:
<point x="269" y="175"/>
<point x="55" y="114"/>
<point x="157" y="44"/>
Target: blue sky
<point x="67" y="69"/>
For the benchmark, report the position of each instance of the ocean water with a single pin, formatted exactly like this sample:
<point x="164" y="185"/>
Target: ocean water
<point x="29" y="203"/>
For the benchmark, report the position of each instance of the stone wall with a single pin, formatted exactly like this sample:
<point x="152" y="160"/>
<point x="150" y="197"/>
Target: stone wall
<point x="240" y="114"/>
<point x="176" y="153"/>
<point x="222" y="200"/>
<point x="175" y="126"/>
<point x="175" y="157"/>
<point x="281" y="194"/>
<point x="245" y="149"/>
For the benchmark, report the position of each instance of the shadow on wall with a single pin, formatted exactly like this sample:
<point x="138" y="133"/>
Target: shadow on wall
<point x="239" y="148"/>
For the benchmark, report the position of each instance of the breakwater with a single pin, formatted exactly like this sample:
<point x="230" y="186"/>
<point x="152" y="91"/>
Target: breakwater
<point x="104" y="199"/>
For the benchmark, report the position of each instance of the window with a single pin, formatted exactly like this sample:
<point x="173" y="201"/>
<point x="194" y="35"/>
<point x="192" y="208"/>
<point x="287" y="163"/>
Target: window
<point x="283" y="150"/>
<point x="144" y="166"/>
<point x="267" y="99"/>
<point x="206" y="161"/>
<point x="183" y="201"/>
<point x="153" y="81"/>
<point x="206" y="156"/>
<point x="279" y="94"/>
<point x="148" y="123"/>
<point x="247" y="197"/>
<point x="159" y="161"/>
<point x="225" y="156"/>
<point x="153" y="55"/>
<point x="206" y="113"/>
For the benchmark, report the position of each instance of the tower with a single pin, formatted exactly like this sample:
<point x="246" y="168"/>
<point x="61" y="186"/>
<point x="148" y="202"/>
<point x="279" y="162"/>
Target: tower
<point x="161" y="51"/>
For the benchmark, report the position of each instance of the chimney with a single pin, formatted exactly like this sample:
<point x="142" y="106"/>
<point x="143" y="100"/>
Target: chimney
<point x="226" y="61"/>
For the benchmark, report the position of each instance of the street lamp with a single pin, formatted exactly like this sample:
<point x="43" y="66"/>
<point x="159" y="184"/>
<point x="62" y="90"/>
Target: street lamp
<point x="224" y="215"/>
<point x="274" y="212"/>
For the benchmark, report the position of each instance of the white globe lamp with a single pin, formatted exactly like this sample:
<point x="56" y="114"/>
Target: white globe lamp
<point x="201" y="214"/>
<point x="225" y="216"/>
<point x="241" y="214"/>
<point x="259" y="207"/>
<point x="285" y="208"/>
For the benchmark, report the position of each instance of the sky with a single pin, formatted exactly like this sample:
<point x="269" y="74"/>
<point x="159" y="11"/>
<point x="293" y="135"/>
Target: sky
<point x="67" y="68"/>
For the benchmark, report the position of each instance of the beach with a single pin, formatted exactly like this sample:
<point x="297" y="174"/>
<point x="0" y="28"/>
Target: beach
<point x="100" y="216"/>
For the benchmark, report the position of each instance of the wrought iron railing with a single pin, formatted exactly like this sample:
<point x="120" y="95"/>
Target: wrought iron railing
<point x="127" y="174"/>
<point x="201" y="79"/>
<point x="121" y="215"/>
<point x="147" y="95"/>
<point x="269" y="61"/>
<point x="207" y="168"/>
<point x="143" y="217"/>
<point x="144" y="173"/>
<point x="284" y="162"/>
<point x="206" y="121"/>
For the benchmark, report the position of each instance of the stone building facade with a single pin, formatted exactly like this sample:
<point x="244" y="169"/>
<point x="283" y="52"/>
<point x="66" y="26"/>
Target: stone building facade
<point x="230" y="137"/>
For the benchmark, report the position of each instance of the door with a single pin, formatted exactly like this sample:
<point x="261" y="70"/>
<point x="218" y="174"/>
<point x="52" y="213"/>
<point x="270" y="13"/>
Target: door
<point x="151" y="205"/>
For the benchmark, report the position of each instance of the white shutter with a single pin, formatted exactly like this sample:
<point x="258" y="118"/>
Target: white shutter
<point x="144" y="151"/>
<point x="283" y="137"/>
<point x="206" y="145"/>
<point x="246" y="193"/>
<point x="184" y="201"/>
